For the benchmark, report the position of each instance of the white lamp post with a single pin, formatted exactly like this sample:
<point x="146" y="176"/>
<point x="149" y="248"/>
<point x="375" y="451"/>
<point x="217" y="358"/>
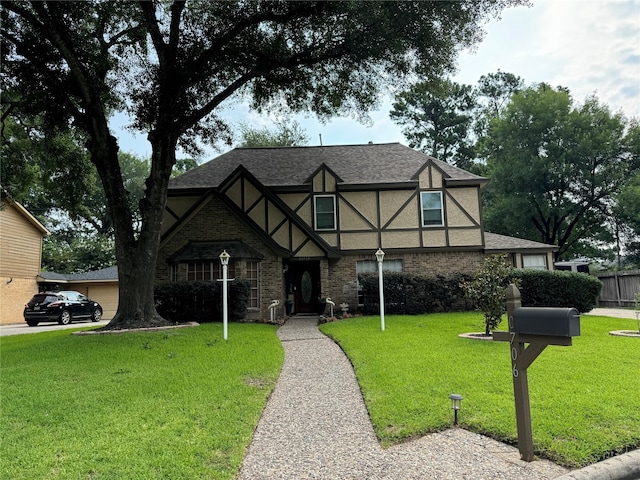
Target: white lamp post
<point x="380" y="258"/>
<point x="224" y="260"/>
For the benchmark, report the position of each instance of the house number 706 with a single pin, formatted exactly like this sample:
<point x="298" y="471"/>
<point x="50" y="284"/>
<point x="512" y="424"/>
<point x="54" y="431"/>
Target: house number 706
<point x="514" y="350"/>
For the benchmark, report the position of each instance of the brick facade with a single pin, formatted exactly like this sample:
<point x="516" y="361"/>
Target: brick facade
<point x="216" y="222"/>
<point x="341" y="283"/>
<point x="14" y="294"/>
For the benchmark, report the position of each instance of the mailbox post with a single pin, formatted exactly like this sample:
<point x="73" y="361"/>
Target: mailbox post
<point x="538" y="327"/>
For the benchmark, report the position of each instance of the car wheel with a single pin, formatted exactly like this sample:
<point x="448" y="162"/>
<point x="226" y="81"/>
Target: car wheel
<point x="32" y="323"/>
<point x="65" y="317"/>
<point x="97" y="315"/>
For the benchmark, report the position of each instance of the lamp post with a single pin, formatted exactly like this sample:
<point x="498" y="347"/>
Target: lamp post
<point x="455" y="405"/>
<point x="380" y="258"/>
<point x="224" y="260"/>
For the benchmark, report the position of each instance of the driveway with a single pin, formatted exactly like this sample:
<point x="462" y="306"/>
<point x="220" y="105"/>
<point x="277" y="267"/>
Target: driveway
<point x="22" y="328"/>
<point x="613" y="312"/>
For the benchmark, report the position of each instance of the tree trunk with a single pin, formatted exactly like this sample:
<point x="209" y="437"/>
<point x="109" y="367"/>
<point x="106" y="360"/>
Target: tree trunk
<point x="136" y="254"/>
<point x="137" y="258"/>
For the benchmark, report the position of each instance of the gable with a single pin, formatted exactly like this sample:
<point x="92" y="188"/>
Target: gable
<point x="272" y="217"/>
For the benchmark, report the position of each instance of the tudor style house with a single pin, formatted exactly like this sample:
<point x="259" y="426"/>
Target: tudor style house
<point x="300" y="223"/>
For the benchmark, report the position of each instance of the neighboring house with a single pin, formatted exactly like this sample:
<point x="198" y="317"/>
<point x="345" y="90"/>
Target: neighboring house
<point x="20" y="258"/>
<point x="300" y="223"/>
<point x="524" y="253"/>
<point x="99" y="285"/>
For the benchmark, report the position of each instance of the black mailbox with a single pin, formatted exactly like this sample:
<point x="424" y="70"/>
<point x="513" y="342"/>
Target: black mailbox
<point x="560" y="322"/>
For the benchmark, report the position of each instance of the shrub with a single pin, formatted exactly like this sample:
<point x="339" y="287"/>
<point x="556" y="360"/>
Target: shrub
<point x="487" y="289"/>
<point x="201" y="301"/>
<point x="545" y="288"/>
<point x="409" y="294"/>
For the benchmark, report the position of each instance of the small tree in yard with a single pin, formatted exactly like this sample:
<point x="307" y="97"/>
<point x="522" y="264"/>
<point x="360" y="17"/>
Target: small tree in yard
<point x="487" y="289"/>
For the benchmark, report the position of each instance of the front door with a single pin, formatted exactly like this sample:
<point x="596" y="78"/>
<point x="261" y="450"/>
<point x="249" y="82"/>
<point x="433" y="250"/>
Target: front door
<point x="305" y="282"/>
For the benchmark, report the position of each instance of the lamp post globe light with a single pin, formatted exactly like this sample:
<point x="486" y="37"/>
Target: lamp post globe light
<point x="380" y="258"/>
<point x="224" y="260"/>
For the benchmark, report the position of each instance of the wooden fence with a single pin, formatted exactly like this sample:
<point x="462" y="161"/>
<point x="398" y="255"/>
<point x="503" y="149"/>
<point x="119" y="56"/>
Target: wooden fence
<point x="618" y="288"/>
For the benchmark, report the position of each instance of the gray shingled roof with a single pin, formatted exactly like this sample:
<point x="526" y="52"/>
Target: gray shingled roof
<point x="292" y="166"/>
<point x="496" y="242"/>
<point x="105" y="274"/>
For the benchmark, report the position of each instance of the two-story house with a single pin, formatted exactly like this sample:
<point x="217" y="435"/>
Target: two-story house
<point x="301" y="223"/>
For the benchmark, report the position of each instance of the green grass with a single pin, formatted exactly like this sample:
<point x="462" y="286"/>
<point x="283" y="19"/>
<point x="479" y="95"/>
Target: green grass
<point x="178" y="404"/>
<point x="584" y="398"/>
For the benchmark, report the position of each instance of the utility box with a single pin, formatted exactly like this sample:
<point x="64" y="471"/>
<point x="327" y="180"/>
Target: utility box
<point x="559" y="322"/>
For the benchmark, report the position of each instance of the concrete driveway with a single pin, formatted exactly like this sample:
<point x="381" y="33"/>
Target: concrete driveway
<point x="23" y="328"/>
<point x="613" y="312"/>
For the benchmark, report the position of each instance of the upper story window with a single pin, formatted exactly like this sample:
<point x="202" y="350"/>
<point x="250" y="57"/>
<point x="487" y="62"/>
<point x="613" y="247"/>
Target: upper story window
<point x="431" y="206"/>
<point x="325" y="212"/>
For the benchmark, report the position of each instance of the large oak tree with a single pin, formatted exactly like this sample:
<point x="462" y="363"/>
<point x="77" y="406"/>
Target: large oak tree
<point x="173" y="64"/>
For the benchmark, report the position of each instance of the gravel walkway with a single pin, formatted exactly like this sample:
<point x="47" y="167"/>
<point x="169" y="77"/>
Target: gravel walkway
<point x="315" y="426"/>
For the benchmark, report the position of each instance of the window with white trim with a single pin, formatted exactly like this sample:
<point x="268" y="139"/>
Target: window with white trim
<point x="536" y="262"/>
<point x="325" y="212"/>
<point x="431" y="208"/>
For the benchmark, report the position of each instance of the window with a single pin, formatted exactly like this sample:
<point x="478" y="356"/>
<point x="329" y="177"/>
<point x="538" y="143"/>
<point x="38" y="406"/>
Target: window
<point x="199" y="271"/>
<point x="371" y="266"/>
<point x="174" y="273"/>
<point x="325" y="208"/>
<point x="217" y="270"/>
<point x="208" y="271"/>
<point x="252" y="276"/>
<point x="537" y="262"/>
<point x="431" y="206"/>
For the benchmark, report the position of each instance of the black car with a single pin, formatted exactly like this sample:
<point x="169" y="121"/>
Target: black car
<point x="61" y="307"/>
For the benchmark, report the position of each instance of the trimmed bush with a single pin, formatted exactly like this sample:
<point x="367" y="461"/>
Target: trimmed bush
<point x="407" y="294"/>
<point x="544" y="288"/>
<point x="201" y="301"/>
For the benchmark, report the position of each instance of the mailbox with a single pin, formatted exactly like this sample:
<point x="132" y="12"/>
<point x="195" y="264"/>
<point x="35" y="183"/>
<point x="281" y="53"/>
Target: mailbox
<point x="560" y="322"/>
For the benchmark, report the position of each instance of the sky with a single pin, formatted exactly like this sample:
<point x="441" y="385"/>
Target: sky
<point x="590" y="47"/>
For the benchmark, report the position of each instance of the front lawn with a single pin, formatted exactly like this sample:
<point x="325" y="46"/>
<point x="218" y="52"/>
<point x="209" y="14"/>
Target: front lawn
<point x="178" y="404"/>
<point x="584" y="398"/>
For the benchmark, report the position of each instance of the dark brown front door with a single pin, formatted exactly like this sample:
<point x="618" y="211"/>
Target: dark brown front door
<point x="305" y="277"/>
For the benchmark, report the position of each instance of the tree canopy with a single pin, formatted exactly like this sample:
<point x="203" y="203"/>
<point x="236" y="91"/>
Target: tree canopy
<point x="172" y="65"/>
<point x="284" y="135"/>
<point x="437" y="117"/>
<point x="556" y="168"/>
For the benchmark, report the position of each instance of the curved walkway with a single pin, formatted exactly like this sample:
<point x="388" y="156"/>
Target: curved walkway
<point x="316" y="426"/>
